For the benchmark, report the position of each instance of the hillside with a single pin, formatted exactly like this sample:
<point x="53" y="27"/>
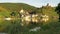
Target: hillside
<point x="7" y="8"/>
<point x="16" y="6"/>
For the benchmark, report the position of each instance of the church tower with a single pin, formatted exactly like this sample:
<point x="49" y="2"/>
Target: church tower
<point x="47" y="4"/>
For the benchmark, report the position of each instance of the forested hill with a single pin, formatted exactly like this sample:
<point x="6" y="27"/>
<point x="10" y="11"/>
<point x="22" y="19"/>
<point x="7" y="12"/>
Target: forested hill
<point x="7" y="8"/>
<point x="16" y="6"/>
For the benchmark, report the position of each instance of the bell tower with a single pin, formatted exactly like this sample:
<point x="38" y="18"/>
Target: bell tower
<point x="47" y="4"/>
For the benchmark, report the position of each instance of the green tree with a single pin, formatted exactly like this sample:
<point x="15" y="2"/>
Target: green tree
<point x="58" y="10"/>
<point x="13" y="14"/>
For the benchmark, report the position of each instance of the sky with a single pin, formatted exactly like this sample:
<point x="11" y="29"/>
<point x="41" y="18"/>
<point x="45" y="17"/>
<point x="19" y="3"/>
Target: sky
<point x="36" y="3"/>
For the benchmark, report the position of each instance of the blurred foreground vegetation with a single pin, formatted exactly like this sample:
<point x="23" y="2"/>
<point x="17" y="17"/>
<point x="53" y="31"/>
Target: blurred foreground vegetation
<point x="14" y="27"/>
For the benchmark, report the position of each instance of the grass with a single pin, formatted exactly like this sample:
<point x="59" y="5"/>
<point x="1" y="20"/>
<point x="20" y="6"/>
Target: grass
<point x="52" y="28"/>
<point x="16" y="28"/>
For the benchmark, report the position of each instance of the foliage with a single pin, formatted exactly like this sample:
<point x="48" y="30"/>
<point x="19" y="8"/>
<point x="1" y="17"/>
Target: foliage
<point x="58" y="10"/>
<point x="14" y="27"/>
<point x="7" y="8"/>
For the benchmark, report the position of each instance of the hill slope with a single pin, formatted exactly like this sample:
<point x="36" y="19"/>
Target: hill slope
<point x="10" y="7"/>
<point x="16" y="6"/>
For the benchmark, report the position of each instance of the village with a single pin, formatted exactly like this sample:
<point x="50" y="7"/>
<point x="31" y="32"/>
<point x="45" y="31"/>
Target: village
<point x="23" y="18"/>
<point x="31" y="17"/>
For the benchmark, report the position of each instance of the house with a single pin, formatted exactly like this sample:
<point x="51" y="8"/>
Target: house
<point x="27" y="17"/>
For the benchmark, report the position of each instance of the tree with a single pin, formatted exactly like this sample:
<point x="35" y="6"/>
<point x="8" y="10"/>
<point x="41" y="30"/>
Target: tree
<point x="58" y="10"/>
<point x="13" y="14"/>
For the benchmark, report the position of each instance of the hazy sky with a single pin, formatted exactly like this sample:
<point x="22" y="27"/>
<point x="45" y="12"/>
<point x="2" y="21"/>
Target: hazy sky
<point x="37" y="3"/>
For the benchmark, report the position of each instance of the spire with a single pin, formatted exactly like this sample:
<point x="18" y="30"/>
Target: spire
<point x="47" y="4"/>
